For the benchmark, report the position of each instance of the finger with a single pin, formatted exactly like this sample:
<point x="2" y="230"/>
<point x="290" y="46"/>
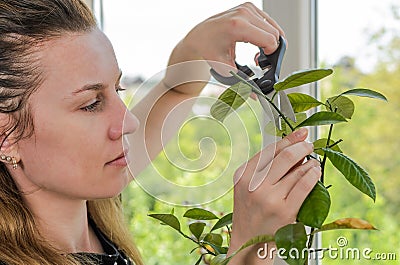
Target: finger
<point x="253" y="96"/>
<point x="262" y="20"/>
<point x="259" y="177"/>
<point x="286" y="184"/>
<point x="294" y="137"/>
<point x="287" y="158"/>
<point x="271" y="21"/>
<point x="303" y="187"/>
<point x="261" y="161"/>
<point x="256" y="58"/>
<point x="265" y="156"/>
<point x="257" y="36"/>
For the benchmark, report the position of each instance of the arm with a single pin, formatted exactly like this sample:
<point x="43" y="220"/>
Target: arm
<point x="211" y="42"/>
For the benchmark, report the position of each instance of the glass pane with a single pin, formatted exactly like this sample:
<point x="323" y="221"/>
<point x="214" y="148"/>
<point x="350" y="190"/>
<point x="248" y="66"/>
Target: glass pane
<point x="361" y="39"/>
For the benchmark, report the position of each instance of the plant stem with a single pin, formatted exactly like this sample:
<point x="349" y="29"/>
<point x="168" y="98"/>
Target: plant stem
<point x="197" y="242"/>
<point x="258" y="92"/>
<point x="311" y="238"/>
<point x="335" y="143"/>
<point x="274" y="95"/>
<point x="324" y="159"/>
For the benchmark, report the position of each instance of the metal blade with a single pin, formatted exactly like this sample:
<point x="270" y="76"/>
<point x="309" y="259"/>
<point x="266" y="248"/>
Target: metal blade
<point x="285" y="106"/>
<point x="277" y="102"/>
<point x="266" y="107"/>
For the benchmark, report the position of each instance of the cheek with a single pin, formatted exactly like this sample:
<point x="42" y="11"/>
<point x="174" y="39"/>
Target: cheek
<point x="62" y="153"/>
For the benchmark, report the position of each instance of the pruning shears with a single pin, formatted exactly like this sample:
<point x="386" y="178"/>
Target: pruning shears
<point x="271" y="67"/>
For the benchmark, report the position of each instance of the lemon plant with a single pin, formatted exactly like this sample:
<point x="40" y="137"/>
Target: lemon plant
<point x="211" y="234"/>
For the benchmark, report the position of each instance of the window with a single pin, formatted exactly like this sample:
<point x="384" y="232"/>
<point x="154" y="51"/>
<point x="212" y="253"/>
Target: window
<point x="359" y="38"/>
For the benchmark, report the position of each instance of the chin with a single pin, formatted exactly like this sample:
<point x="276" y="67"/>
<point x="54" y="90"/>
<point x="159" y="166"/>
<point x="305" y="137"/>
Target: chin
<point x="112" y="186"/>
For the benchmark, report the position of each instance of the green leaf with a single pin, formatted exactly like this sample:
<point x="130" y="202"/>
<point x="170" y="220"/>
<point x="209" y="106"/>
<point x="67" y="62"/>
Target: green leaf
<point x="224" y="221"/>
<point x="200" y="214"/>
<point x="230" y="100"/>
<point x="321" y="143"/>
<point x="213" y="238"/>
<point x="353" y="172"/>
<point x="322" y="118"/>
<point x="302" y="102"/>
<point x="168" y="219"/>
<point x="293" y="239"/>
<point x="343" y="105"/>
<point x="301" y="78"/>
<point x="346" y="223"/>
<point x="315" y="207"/>
<point x="197" y="229"/>
<point x="365" y="92"/>
<point x="219" y="260"/>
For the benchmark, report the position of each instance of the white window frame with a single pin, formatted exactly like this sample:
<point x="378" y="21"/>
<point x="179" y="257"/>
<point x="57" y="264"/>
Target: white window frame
<point x="299" y="21"/>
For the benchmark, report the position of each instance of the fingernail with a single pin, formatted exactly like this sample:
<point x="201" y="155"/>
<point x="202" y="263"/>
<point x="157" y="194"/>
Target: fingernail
<point x="301" y="133"/>
<point x="317" y="169"/>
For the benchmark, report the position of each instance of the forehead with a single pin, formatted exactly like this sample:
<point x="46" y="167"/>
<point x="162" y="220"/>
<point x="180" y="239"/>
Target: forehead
<point x="75" y="59"/>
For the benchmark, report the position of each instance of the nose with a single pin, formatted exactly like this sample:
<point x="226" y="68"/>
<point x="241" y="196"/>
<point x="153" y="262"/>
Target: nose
<point x="127" y="123"/>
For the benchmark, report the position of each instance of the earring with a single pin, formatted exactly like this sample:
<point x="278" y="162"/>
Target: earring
<point x="14" y="163"/>
<point x="10" y="159"/>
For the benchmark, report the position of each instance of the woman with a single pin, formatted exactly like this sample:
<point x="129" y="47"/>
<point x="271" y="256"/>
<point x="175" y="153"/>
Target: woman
<point x="62" y="124"/>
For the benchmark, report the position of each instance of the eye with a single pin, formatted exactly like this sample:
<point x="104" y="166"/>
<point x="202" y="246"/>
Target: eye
<point x="94" y="106"/>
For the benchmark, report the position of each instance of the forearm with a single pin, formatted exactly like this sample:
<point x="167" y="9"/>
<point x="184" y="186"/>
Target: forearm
<point x="187" y="72"/>
<point x="174" y="97"/>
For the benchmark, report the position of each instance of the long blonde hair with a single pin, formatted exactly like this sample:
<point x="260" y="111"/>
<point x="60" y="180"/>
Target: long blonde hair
<point x="24" y="25"/>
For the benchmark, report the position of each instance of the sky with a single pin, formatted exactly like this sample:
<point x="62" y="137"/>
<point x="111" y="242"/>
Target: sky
<point x="144" y="32"/>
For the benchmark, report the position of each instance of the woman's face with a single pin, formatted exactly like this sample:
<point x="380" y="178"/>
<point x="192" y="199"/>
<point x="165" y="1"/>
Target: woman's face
<point x="79" y="120"/>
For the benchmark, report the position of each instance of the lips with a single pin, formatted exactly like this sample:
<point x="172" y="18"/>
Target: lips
<point x="120" y="161"/>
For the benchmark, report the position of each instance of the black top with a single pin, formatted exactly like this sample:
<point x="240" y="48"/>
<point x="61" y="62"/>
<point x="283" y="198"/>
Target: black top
<point x="111" y="255"/>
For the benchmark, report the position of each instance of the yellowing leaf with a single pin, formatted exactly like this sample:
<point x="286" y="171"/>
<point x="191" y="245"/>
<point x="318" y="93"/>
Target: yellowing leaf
<point x="347" y="223"/>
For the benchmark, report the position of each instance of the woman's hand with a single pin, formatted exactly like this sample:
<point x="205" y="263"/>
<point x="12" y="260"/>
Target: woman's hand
<point x="214" y="40"/>
<point x="269" y="191"/>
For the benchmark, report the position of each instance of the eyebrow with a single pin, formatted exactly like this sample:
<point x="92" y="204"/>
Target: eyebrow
<point x="95" y="87"/>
